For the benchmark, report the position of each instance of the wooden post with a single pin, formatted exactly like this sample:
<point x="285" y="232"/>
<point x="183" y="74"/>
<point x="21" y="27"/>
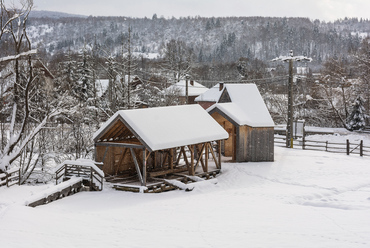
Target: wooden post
<point x="326" y="146"/>
<point x="347" y="147"/>
<point x="361" y="148"/>
<point x="191" y="148"/>
<point x="219" y="153"/>
<point x="303" y="141"/>
<point x="206" y="156"/>
<point x="144" y="166"/>
<point x="289" y="128"/>
<point x="171" y="158"/>
<point x="91" y="179"/>
<point x="137" y="166"/>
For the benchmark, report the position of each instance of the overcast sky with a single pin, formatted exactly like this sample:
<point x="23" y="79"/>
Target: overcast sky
<point x="327" y="10"/>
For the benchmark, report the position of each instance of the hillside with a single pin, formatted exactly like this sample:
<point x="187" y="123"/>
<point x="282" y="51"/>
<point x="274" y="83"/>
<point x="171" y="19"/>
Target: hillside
<point x="212" y="39"/>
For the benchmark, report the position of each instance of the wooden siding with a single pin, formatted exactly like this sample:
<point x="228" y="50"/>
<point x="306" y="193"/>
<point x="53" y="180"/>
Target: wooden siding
<point x="229" y="144"/>
<point x="255" y="144"/>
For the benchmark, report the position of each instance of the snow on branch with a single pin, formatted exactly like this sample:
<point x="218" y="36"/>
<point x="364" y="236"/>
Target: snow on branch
<point x="14" y="57"/>
<point x="295" y="58"/>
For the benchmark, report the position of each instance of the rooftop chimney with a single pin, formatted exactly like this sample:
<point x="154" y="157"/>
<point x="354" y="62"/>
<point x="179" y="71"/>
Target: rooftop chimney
<point x="221" y="86"/>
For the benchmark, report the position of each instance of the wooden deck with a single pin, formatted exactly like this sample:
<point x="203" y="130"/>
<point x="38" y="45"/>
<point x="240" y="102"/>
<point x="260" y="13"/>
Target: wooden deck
<point x="159" y="183"/>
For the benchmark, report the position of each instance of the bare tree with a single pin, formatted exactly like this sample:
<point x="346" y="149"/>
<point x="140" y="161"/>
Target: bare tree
<point x="178" y="60"/>
<point x="26" y="117"/>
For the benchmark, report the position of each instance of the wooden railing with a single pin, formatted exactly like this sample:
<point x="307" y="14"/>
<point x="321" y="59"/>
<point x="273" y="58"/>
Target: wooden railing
<point x="88" y="173"/>
<point x="335" y="147"/>
<point x="10" y="177"/>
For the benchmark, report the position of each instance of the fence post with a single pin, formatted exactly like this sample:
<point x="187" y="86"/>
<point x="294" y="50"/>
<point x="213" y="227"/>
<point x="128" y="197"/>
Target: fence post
<point x="326" y="146"/>
<point x="303" y="141"/>
<point x="361" y="148"/>
<point x="347" y="147"/>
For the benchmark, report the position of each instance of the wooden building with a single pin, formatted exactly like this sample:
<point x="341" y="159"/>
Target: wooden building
<point x="152" y="142"/>
<point x="194" y="90"/>
<point x="241" y="110"/>
<point x="210" y="97"/>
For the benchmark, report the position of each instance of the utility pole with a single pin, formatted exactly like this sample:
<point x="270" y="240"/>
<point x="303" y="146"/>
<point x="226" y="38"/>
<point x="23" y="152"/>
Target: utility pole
<point x="289" y="126"/>
<point x="187" y="77"/>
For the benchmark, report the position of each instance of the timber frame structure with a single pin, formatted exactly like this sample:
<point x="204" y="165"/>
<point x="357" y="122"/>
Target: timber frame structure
<point x="129" y="157"/>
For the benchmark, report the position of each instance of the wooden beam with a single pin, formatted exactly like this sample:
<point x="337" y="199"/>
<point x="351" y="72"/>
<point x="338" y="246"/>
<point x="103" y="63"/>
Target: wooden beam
<point x="137" y="166"/>
<point x="165" y="158"/>
<point x="149" y="153"/>
<point x="218" y="163"/>
<point x="112" y="144"/>
<point x="105" y="154"/>
<point x="206" y="156"/>
<point x="219" y="153"/>
<point x="185" y="158"/>
<point x="191" y="148"/>
<point x="200" y="157"/>
<point x="171" y="158"/>
<point x="144" y="166"/>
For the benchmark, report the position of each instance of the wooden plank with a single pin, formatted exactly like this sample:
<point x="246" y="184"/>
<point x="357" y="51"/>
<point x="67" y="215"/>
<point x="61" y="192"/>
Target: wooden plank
<point x="121" y="159"/>
<point x="137" y="166"/>
<point x="114" y="144"/>
<point x="170" y="171"/>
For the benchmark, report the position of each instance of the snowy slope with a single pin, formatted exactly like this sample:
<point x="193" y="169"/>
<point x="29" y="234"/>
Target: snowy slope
<point x="303" y="199"/>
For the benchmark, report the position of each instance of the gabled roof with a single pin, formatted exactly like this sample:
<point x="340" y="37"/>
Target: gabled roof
<point x="193" y="90"/>
<point x="167" y="127"/>
<point x="244" y="105"/>
<point x="211" y="95"/>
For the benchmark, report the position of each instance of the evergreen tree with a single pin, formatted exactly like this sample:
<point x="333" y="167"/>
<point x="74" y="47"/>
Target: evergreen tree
<point x="356" y="120"/>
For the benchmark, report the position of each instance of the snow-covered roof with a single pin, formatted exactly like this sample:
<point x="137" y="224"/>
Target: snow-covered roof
<point x="168" y="127"/>
<point x="211" y="95"/>
<point x="193" y="90"/>
<point x="246" y="107"/>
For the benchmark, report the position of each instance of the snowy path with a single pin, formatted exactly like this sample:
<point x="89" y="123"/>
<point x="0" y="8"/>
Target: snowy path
<point x="303" y="199"/>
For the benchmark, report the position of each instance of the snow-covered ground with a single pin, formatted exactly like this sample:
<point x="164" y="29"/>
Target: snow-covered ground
<point x="303" y="199"/>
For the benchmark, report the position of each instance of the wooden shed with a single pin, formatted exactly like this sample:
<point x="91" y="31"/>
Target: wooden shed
<point x="244" y="115"/>
<point x="147" y="143"/>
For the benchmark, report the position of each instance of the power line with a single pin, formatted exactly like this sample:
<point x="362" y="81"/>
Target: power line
<point x="223" y="81"/>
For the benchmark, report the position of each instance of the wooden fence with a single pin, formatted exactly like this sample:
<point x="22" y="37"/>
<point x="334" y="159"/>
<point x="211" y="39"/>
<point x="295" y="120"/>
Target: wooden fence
<point x="10" y="177"/>
<point x="345" y="147"/>
<point x="69" y="169"/>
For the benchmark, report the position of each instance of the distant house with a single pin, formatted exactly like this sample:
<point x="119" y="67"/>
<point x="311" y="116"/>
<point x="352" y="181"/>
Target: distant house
<point x="194" y="90"/>
<point x="210" y="97"/>
<point x="242" y="112"/>
<point x="147" y="143"/>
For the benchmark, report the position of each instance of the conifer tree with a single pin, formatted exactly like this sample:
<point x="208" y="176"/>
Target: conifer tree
<point x="356" y="120"/>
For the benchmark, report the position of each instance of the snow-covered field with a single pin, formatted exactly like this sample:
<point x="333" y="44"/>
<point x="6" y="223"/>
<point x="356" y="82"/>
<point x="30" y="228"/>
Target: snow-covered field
<point x="303" y="199"/>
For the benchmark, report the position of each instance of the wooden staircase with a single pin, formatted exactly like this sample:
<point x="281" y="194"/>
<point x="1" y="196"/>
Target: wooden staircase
<point x="92" y="176"/>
